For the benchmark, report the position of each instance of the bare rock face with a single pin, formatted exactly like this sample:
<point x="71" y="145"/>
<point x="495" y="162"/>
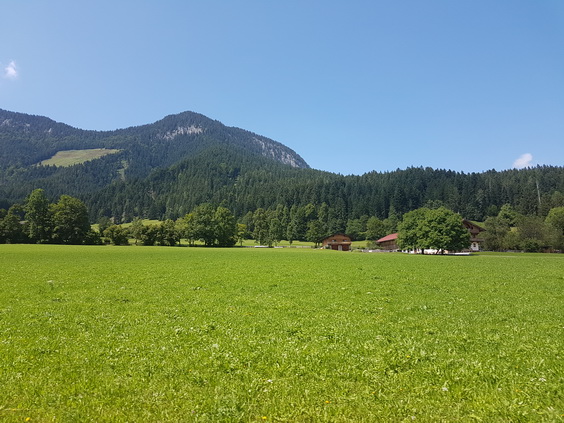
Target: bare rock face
<point x="181" y="130"/>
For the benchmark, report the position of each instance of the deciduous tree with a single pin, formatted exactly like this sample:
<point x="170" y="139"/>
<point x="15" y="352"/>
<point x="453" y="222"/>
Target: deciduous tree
<point x="116" y="234"/>
<point x="440" y="229"/>
<point x="496" y="233"/>
<point x="225" y="227"/>
<point x="410" y="232"/>
<point x="203" y="224"/>
<point x="168" y="234"/>
<point x="70" y="221"/>
<point x="39" y="225"/>
<point x="11" y="229"/>
<point x="555" y="219"/>
<point x="375" y="229"/>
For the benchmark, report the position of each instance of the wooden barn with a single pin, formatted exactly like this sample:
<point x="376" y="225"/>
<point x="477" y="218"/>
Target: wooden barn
<point x="339" y="242"/>
<point x="389" y="242"/>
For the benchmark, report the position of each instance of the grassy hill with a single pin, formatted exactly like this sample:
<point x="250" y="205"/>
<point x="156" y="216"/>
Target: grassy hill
<point x="72" y="157"/>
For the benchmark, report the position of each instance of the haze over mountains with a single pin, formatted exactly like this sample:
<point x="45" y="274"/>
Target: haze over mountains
<point x="165" y="169"/>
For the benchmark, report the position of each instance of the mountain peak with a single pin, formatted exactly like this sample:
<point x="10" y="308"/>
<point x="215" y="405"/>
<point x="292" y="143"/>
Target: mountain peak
<point x="27" y="140"/>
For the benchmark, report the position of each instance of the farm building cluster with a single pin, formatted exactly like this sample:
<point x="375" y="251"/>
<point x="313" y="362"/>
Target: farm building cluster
<point x="342" y="242"/>
<point x="389" y="242"/>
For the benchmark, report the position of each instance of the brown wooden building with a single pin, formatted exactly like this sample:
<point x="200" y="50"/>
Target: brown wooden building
<point x="339" y="242"/>
<point x="389" y="242"/>
<point x="475" y="240"/>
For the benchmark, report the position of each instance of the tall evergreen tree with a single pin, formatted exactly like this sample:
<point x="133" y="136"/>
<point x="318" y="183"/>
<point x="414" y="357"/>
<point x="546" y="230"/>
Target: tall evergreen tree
<point x="276" y="230"/>
<point x="315" y="232"/>
<point x="262" y="227"/>
<point x="292" y="231"/>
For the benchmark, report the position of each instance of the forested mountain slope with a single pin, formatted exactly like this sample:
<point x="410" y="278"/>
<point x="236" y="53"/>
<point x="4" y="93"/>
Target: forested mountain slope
<point x="165" y="169"/>
<point x="27" y="140"/>
<point x="243" y="185"/>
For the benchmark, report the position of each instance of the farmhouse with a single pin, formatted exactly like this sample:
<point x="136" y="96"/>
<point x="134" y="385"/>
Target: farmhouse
<point x="475" y="240"/>
<point x="389" y="242"/>
<point x="339" y="242"/>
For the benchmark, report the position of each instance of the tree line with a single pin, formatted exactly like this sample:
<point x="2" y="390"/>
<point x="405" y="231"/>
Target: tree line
<point x="214" y="226"/>
<point x="511" y="230"/>
<point x="40" y="221"/>
<point x="434" y="226"/>
<point x="431" y="227"/>
<point x="441" y="229"/>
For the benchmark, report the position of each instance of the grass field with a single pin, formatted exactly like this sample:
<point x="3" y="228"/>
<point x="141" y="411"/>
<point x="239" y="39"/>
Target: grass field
<point x="72" y="157"/>
<point x="134" y="334"/>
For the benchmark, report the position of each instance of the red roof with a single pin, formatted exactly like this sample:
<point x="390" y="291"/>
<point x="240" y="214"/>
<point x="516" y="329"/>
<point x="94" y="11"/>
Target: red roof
<point x="390" y="237"/>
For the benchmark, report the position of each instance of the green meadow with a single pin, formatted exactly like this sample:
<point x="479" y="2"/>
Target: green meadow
<point x="170" y="334"/>
<point x="71" y="157"/>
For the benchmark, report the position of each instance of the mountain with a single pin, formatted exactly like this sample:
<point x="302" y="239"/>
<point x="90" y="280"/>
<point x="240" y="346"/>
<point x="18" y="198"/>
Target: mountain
<point x="165" y="169"/>
<point x="27" y="140"/>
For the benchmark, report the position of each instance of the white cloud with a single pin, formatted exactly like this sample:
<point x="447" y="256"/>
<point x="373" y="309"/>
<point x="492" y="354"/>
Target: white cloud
<point x="525" y="160"/>
<point x="10" y="71"/>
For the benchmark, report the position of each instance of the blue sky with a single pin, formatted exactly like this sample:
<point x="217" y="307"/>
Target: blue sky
<point x="351" y="86"/>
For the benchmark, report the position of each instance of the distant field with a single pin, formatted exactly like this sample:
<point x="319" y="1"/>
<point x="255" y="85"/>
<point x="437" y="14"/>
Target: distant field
<point x="144" y="221"/>
<point x="145" y="334"/>
<point x="283" y="243"/>
<point x="72" y="157"/>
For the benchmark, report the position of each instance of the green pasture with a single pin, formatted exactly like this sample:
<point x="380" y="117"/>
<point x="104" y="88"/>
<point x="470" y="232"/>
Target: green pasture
<point x="171" y="334"/>
<point x="72" y="157"/>
<point x="283" y="243"/>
